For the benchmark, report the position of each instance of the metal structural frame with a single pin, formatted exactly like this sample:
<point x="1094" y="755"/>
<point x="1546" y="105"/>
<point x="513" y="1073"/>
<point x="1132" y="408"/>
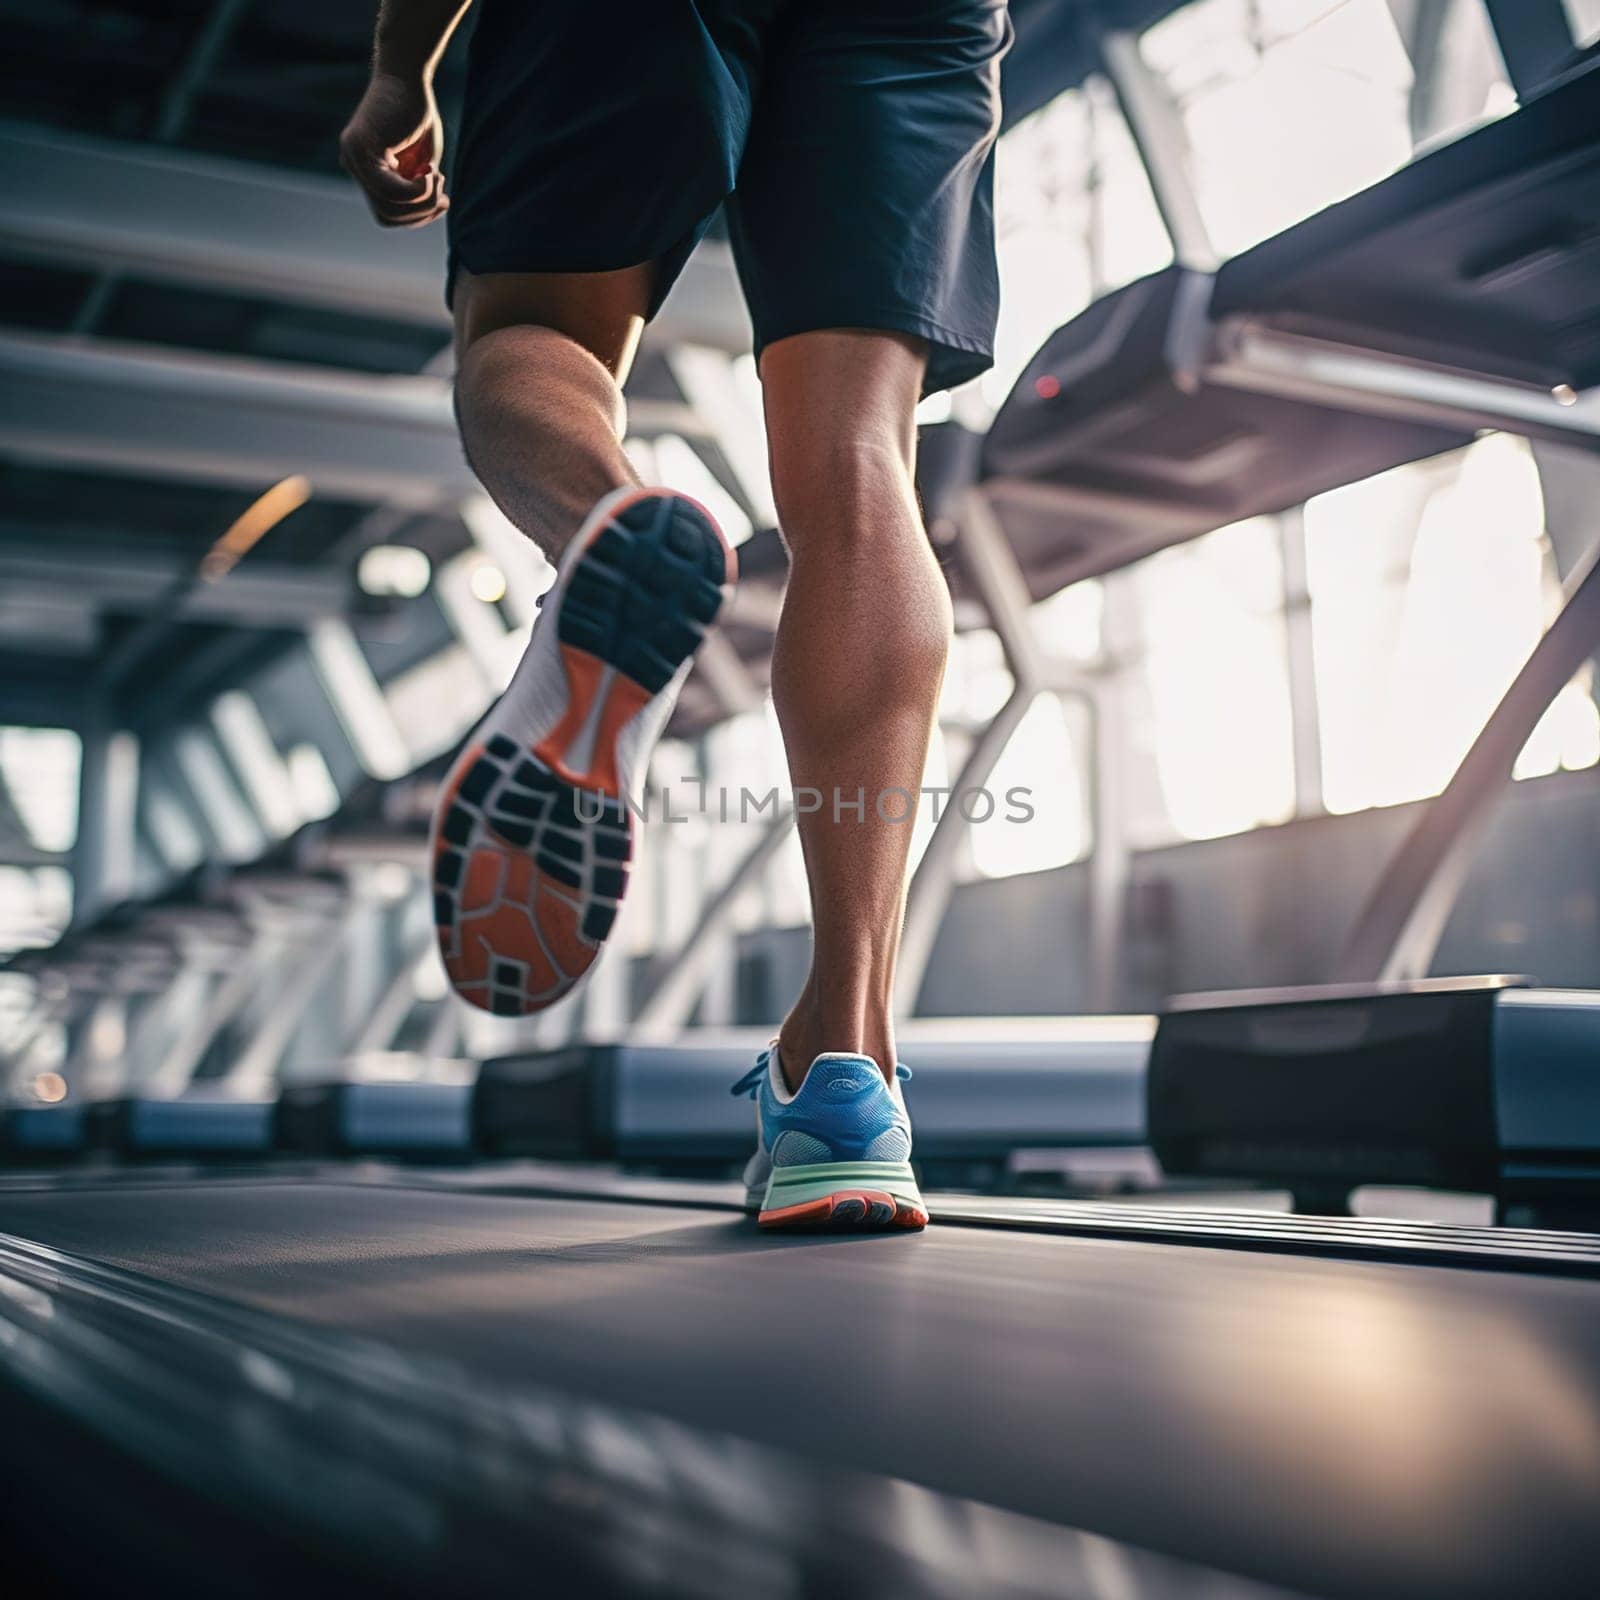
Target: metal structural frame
<point x="680" y="977"/>
<point x="392" y="441"/>
<point x="980" y="546"/>
<point x="1535" y="40"/>
<point x="245" y="423"/>
<point x="240" y="227"/>
<point x="1397" y="933"/>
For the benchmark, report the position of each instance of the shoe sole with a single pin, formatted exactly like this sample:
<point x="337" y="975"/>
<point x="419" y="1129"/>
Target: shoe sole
<point x="847" y="1211"/>
<point x="844" y="1196"/>
<point x="531" y="846"/>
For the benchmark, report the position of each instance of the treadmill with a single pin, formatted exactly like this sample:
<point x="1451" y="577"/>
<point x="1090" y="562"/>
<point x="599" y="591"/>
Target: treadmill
<point x="444" y="1384"/>
<point x="524" y="1374"/>
<point x="1456" y="296"/>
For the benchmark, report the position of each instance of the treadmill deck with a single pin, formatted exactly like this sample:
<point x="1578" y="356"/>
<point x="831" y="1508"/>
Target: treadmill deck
<point x="1331" y="1426"/>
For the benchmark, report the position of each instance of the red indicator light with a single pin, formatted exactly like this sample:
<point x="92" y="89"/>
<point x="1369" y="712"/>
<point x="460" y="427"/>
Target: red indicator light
<point x="1047" y="388"/>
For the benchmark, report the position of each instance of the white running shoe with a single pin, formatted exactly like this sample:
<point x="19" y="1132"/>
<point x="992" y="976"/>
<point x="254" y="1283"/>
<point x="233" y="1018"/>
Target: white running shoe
<point x="533" y="833"/>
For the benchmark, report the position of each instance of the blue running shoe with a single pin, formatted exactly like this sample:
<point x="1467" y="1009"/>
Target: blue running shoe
<point x="835" y="1154"/>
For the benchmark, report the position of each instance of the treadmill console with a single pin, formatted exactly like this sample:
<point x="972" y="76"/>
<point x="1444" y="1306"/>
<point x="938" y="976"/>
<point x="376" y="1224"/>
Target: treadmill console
<point x="1477" y="1084"/>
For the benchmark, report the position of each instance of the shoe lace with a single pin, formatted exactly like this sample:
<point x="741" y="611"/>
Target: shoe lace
<point x="750" y="1084"/>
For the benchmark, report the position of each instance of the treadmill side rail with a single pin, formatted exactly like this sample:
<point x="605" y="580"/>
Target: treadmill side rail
<point x="972" y="1101"/>
<point x="1547" y="1098"/>
<point x="1453" y="1084"/>
<point x="33" y="1134"/>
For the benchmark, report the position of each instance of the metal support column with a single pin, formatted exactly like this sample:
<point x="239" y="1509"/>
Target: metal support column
<point x="1535" y="39"/>
<point x="260" y="1063"/>
<point x="986" y="558"/>
<point x="386" y="1018"/>
<point x="929" y="896"/>
<point x="1304" y="715"/>
<point x="1421" y="25"/>
<point x="229" y="993"/>
<point x="1399" y="929"/>
<point x="108" y="787"/>
<point x="1109" y="858"/>
<point x="683" y="975"/>
<point x="1156" y="125"/>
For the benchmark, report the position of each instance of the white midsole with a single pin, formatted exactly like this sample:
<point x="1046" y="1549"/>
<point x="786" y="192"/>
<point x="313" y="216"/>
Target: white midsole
<point x="538" y="694"/>
<point x="795" y="1186"/>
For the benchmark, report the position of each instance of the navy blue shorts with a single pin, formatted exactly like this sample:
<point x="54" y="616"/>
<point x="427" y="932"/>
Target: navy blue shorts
<point x="851" y="141"/>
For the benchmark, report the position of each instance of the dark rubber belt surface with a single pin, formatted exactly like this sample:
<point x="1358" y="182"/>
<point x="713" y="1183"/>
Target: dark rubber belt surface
<point x="1338" y="1427"/>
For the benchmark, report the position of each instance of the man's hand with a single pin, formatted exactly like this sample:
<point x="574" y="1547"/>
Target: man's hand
<point x="392" y="148"/>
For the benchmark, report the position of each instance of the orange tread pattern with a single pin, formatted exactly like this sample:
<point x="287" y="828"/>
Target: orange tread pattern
<point x="847" y="1210"/>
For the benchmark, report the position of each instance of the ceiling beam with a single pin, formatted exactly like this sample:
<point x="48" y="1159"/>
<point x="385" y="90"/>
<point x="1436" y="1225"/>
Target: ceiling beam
<point x="246" y="423"/>
<point x="212" y="419"/>
<point x="43" y="693"/>
<point x="155" y="213"/>
<point x="266" y="594"/>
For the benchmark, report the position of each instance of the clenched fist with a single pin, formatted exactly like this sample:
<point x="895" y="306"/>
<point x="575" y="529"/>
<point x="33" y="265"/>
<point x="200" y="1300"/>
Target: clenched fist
<point x="392" y="148"/>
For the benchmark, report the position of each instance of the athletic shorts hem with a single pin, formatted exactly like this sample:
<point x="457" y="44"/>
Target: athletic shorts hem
<point x="954" y="358"/>
<point x="669" y="262"/>
<point x="843" y="136"/>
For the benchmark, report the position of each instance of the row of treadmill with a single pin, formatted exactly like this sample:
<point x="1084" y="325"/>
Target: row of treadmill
<point x="1485" y="1086"/>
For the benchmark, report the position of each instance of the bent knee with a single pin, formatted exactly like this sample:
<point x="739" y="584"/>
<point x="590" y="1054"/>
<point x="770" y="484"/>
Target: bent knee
<point x="601" y="313"/>
<point x="525" y="368"/>
<point x="830" y="479"/>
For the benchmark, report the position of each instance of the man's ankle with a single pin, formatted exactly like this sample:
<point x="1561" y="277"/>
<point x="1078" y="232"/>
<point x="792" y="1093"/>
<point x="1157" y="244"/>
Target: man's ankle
<point x="795" y="1055"/>
<point x="800" y="1043"/>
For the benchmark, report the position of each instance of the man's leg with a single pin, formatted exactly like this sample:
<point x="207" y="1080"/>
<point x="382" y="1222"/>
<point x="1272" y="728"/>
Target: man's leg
<point x="532" y="833"/>
<point x="858" y="664"/>
<point x="541" y="360"/>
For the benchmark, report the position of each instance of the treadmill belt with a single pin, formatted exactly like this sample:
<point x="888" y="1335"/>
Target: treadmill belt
<point x="1330" y="1426"/>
